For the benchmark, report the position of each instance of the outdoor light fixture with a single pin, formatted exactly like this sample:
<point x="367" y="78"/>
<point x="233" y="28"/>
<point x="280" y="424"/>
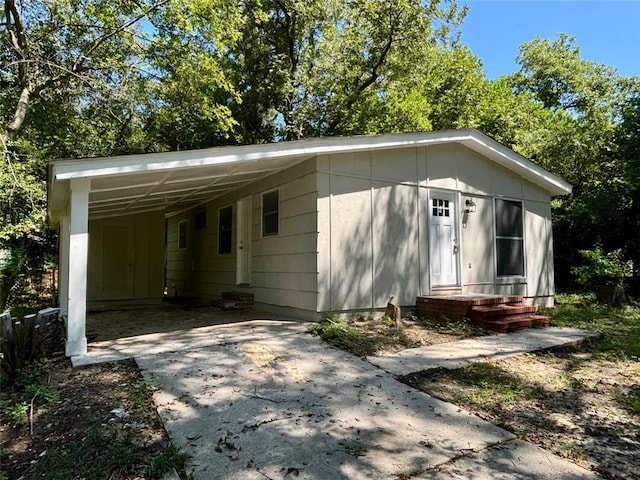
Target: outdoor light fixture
<point x="469" y="206"/>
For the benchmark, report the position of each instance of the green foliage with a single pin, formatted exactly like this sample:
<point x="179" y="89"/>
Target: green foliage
<point x="602" y="267"/>
<point x="106" y="453"/>
<point x="619" y="326"/>
<point x="162" y="463"/>
<point x="631" y="400"/>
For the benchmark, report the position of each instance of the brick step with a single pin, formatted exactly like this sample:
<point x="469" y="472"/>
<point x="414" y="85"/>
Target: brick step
<point x="504" y="325"/>
<point x="495" y="311"/>
<point x="513" y="323"/>
<point x="480" y="321"/>
<point x="540" y="321"/>
<point x="233" y="300"/>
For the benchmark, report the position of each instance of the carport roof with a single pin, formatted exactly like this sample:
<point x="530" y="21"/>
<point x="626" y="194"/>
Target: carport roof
<point x="173" y="181"/>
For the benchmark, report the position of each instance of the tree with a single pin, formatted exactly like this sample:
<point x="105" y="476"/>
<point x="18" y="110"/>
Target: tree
<point x="60" y="64"/>
<point x="576" y="139"/>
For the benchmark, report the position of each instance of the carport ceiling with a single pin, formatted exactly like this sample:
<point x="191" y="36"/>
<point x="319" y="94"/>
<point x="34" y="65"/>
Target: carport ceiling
<point x="120" y="190"/>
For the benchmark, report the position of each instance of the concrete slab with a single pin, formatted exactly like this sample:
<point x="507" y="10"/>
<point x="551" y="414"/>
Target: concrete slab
<point x="275" y="402"/>
<point x="158" y="343"/>
<point x="513" y="460"/>
<point x="491" y="347"/>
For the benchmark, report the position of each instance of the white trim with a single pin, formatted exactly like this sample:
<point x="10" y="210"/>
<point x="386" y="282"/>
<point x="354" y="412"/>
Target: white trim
<point x="455" y="208"/>
<point x="122" y="165"/>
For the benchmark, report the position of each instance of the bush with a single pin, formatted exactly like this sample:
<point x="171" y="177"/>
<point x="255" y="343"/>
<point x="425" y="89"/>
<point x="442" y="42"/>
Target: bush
<point x="605" y="273"/>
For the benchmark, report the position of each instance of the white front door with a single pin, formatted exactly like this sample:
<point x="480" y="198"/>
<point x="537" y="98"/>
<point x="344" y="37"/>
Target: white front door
<point x="443" y="239"/>
<point x="243" y="262"/>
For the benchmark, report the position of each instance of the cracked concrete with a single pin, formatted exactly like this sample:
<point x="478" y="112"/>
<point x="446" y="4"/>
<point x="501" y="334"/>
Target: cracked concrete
<point x="265" y="400"/>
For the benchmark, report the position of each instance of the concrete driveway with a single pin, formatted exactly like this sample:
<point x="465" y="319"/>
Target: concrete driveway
<point x="266" y="400"/>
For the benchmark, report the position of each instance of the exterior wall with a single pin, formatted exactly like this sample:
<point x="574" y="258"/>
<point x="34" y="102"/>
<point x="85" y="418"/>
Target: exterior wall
<point x="126" y="258"/>
<point x="373" y="224"/>
<point x="283" y="266"/>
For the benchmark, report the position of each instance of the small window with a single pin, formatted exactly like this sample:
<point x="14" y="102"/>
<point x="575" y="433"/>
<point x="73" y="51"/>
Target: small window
<point x="509" y="238"/>
<point x="182" y="234"/>
<point x="201" y="219"/>
<point x="225" y="224"/>
<point x="270" y="213"/>
<point x="440" y="207"/>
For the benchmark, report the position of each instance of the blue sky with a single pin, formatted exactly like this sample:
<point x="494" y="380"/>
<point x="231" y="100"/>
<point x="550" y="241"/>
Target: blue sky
<point x="607" y="32"/>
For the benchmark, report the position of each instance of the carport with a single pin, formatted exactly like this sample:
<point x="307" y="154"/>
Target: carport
<point x="82" y="190"/>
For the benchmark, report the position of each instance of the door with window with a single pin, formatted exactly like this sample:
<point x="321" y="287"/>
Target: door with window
<point x="443" y="239"/>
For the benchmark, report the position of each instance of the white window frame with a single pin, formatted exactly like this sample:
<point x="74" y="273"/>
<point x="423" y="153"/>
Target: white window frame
<point x="508" y="278"/>
<point x="262" y="213"/>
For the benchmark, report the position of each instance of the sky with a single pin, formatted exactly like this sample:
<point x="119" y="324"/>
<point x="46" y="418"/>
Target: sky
<point x="607" y="31"/>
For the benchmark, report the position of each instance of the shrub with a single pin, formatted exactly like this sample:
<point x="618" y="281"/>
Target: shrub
<point x="605" y="273"/>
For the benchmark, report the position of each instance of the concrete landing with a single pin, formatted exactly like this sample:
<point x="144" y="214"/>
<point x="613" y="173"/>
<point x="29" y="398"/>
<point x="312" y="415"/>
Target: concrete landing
<point x="491" y="347"/>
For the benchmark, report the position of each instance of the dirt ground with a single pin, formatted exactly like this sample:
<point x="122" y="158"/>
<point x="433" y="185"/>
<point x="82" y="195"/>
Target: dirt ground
<point x="566" y="400"/>
<point x="110" y="395"/>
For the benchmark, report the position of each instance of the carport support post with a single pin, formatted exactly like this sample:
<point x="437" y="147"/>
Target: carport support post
<point x="78" y="253"/>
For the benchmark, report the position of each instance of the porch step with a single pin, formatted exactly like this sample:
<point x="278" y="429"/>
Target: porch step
<point x="502" y="310"/>
<point x="233" y="300"/>
<point x="496" y="313"/>
<point x="458" y="307"/>
<point x="513" y="323"/>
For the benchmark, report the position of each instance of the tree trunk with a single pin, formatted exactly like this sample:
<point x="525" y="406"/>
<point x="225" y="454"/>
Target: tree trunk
<point x="18" y="116"/>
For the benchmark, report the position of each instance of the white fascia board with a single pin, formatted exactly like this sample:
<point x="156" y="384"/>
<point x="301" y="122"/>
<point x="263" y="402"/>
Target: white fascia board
<point x="516" y="162"/>
<point x="303" y="149"/>
<point x="104" y="166"/>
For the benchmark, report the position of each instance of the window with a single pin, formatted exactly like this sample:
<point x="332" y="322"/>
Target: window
<point x="270" y="218"/>
<point x="509" y="238"/>
<point x="225" y="219"/>
<point x="201" y="219"/>
<point x="182" y="234"/>
<point x="440" y="207"/>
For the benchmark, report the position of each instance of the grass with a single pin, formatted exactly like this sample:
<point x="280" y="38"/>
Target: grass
<point x="620" y="326"/>
<point x="106" y="452"/>
<point x="579" y="401"/>
<point x="364" y="336"/>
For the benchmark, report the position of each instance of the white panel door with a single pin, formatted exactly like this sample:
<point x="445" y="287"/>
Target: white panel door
<point x="243" y="258"/>
<point x="443" y="241"/>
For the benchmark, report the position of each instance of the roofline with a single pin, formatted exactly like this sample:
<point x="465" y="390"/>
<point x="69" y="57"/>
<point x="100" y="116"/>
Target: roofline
<point x="118" y="165"/>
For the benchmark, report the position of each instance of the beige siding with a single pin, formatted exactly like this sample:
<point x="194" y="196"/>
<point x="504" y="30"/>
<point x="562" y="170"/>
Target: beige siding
<point x="283" y="267"/>
<point x="126" y="258"/>
<point x="373" y="225"/>
<point x="478" y="264"/>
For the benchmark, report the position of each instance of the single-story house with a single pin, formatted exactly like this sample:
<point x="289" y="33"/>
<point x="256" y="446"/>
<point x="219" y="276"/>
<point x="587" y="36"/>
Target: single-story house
<point x="328" y="224"/>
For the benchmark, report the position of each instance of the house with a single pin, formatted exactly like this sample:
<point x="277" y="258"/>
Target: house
<point x="329" y="224"/>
